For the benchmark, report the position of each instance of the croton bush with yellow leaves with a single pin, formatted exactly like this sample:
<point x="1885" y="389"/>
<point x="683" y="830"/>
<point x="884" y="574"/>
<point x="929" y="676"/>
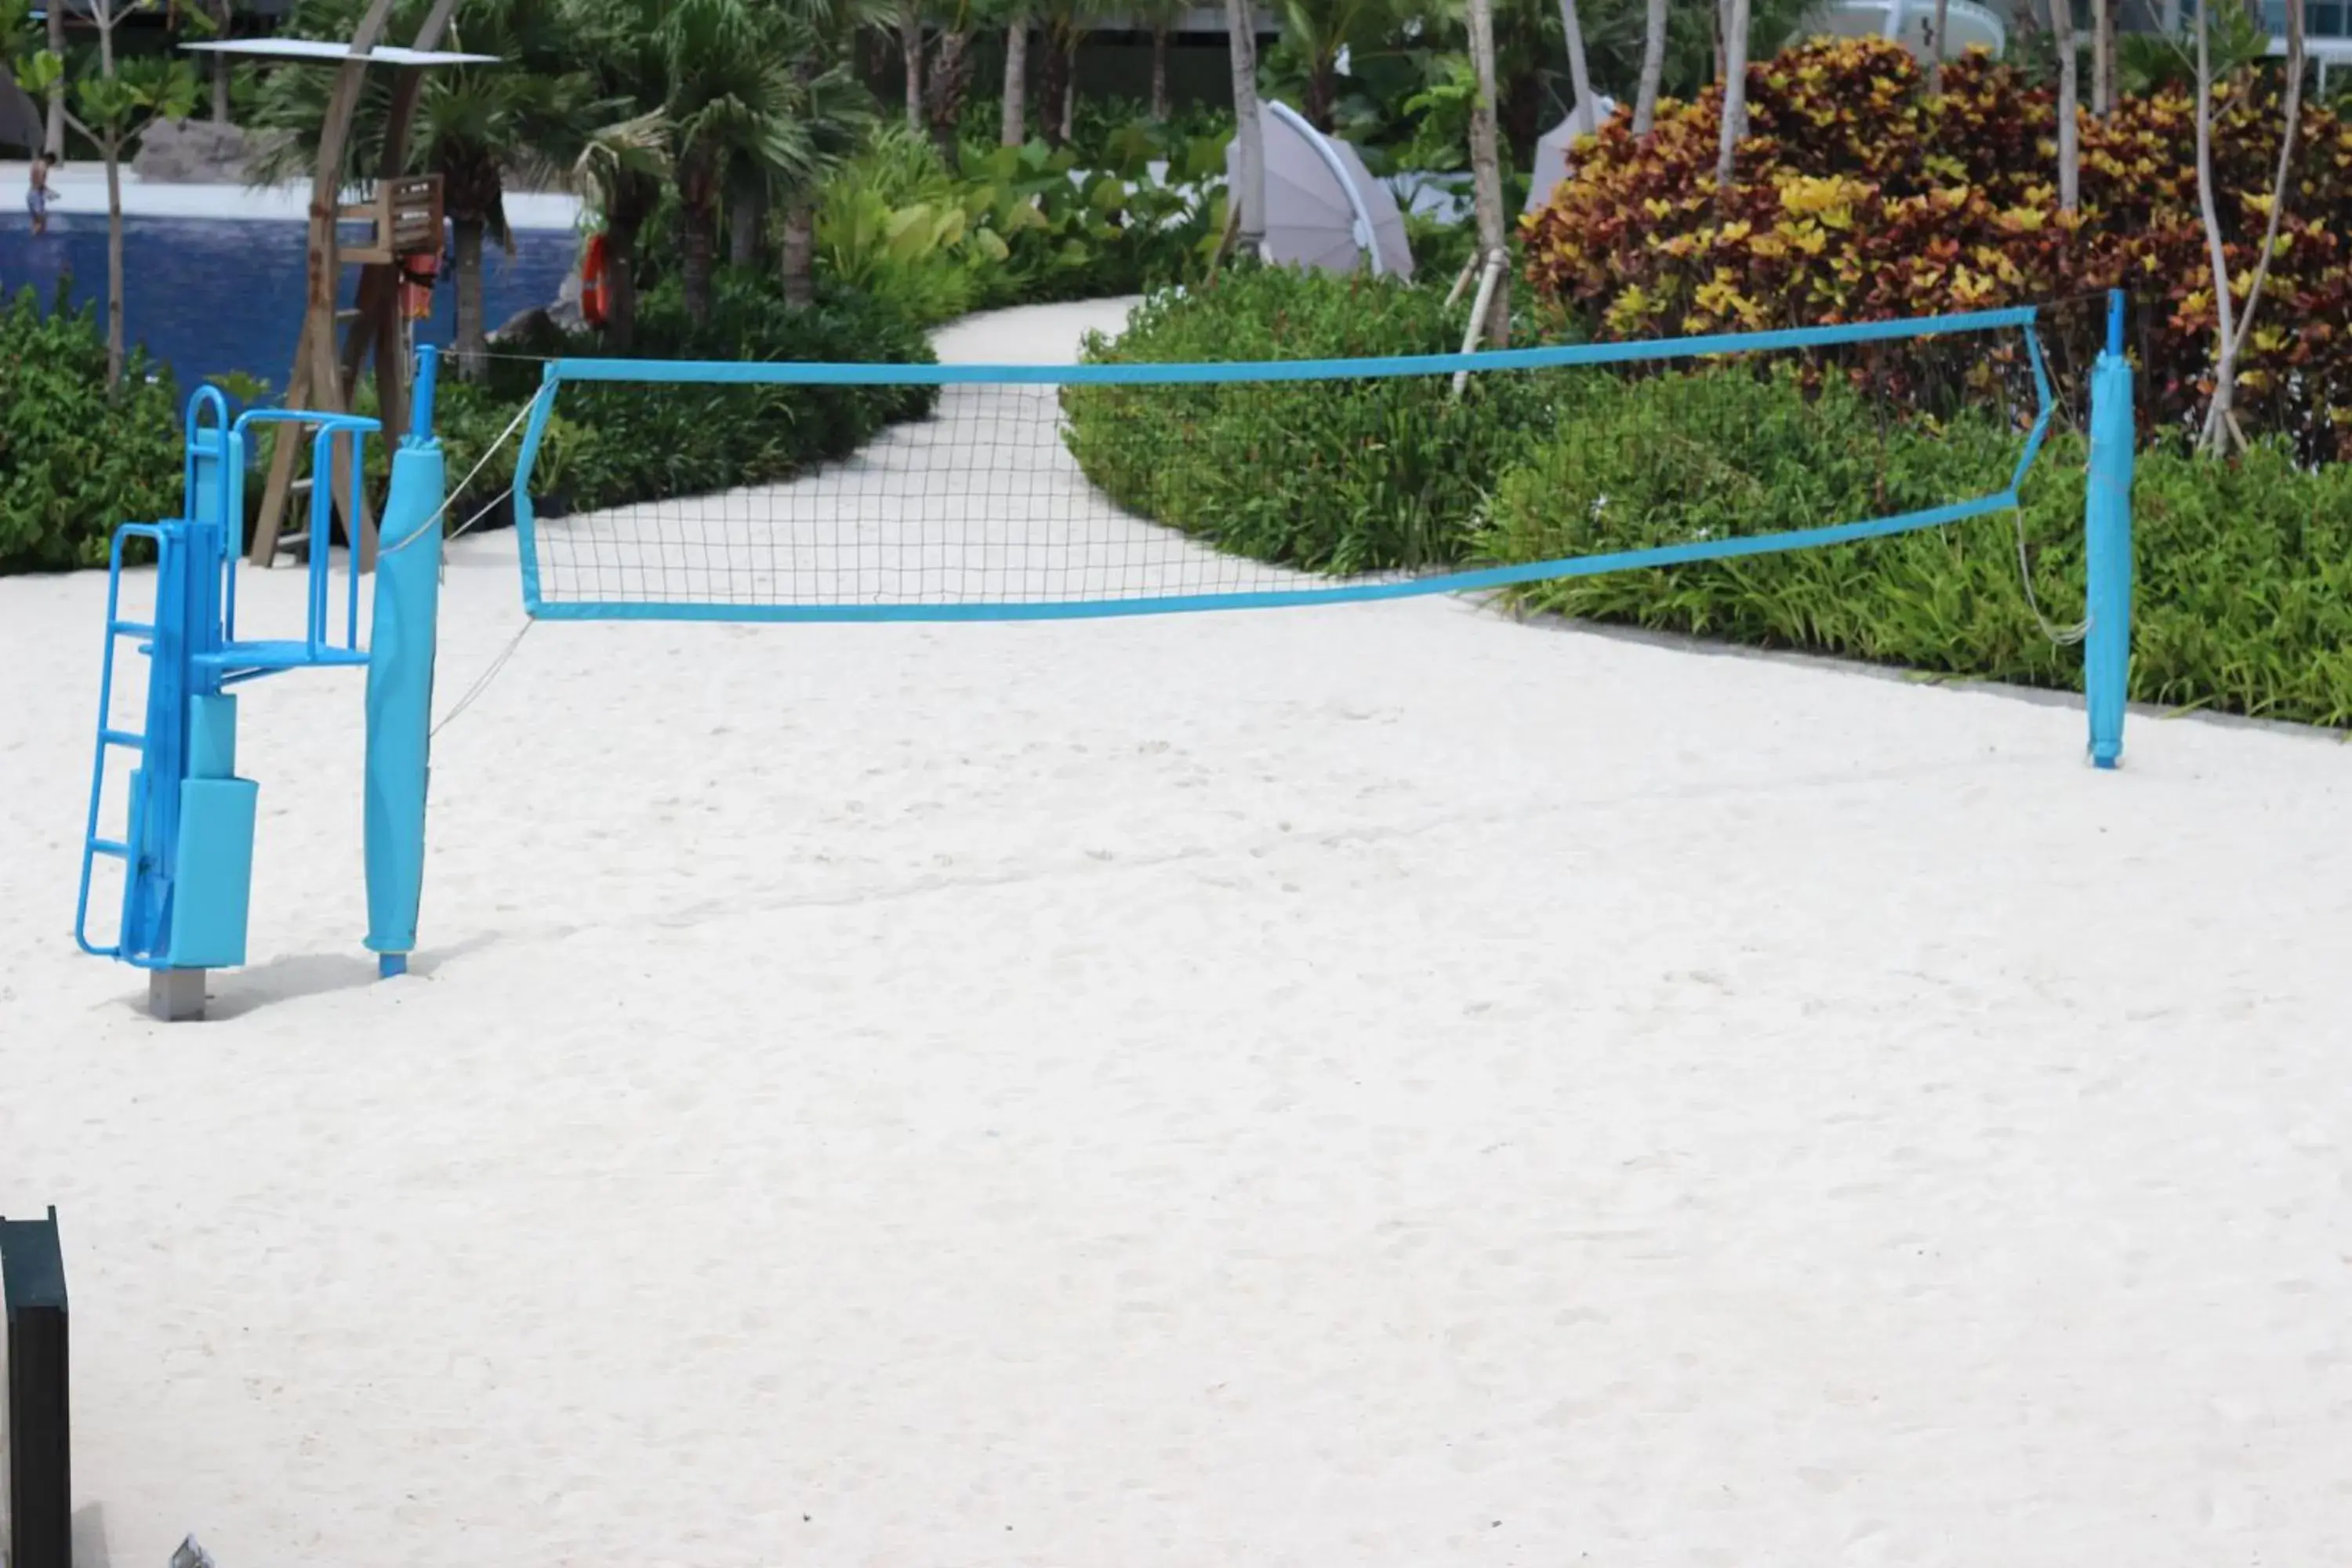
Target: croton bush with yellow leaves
<point x="1860" y="195"/>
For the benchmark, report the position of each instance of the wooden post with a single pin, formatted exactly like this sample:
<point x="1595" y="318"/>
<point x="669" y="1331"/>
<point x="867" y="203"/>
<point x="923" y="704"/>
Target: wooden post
<point x="317" y="379"/>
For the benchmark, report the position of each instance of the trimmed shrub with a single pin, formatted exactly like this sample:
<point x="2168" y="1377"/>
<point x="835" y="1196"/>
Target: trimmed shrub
<point x="2244" y="568"/>
<point x="1339" y="476"/>
<point x="76" y="460"/>
<point x="611" y="444"/>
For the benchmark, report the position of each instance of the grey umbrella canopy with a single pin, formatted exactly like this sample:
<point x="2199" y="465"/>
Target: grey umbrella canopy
<point x="21" y="124"/>
<point x="1323" y="208"/>
<point x="1551" y="154"/>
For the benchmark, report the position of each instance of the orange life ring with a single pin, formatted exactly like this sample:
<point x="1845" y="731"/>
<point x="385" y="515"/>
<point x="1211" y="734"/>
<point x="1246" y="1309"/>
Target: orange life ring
<point x="417" y="275"/>
<point x="592" y="282"/>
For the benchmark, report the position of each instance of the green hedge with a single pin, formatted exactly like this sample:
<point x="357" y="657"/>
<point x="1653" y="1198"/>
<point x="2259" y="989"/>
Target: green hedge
<point x="2244" y="569"/>
<point x="1324" y="475"/>
<point x="611" y="444"/>
<point x="73" y="461"/>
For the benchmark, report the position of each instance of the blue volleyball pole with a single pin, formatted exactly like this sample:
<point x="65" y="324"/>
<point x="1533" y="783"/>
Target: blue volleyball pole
<point x="400" y="684"/>
<point x="2108" y="546"/>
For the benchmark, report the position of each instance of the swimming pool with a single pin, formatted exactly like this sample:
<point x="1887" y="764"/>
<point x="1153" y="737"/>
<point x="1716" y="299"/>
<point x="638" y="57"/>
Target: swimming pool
<point x="212" y="296"/>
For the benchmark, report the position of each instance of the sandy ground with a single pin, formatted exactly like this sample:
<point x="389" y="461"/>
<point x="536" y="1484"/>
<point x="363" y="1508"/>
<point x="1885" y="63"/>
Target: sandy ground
<point x="1373" y="1085"/>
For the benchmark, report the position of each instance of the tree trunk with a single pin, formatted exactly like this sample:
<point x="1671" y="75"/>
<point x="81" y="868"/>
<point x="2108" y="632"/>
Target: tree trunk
<point x="1583" y="114"/>
<point x="2070" y="159"/>
<point x="1015" y="129"/>
<point x="1320" y="95"/>
<point x="950" y="78"/>
<point x="910" y="47"/>
<point x="473" y="331"/>
<point x="1936" y="44"/>
<point x="2103" y="56"/>
<point x="697" y="246"/>
<point x="221" y="19"/>
<point x="1049" y="90"/>
<point x="1735" y="91"/>
<point x="749" y="212"/>
<point x="1160" y="74"/>
<point x="114" y="343"/>
<point x="53" y="136"/>
<point x="1653" y="66"/>
<point x="1069" y="125"/>
<point x="2221" y="430"/>
<point x="621" y="277"/>
<point x="800" y="254"/>
<point x="1487" y="167"/>
<point x="1241" y="40"/>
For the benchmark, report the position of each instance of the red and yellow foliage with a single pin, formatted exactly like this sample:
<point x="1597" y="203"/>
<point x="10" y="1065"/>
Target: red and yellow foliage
<point x="1859" y="196"/>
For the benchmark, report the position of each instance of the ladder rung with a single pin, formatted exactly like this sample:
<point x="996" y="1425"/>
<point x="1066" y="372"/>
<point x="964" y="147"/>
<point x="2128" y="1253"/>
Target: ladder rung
<point x="302" y="484"/>
<point x="131" y="629"/>
<point x="288" y="540"/>
<point x="122" y="738"/>
<point x="108" y="846"/>
<point x="347" y="315"/>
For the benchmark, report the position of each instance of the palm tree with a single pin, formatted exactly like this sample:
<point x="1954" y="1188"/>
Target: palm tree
<point x="1066" y="23"/>
<point x="1014" y="129"/>
<point x="1161" y="18"/>
<point x="1318" y="32"/>
<point x="737" y="108"/>
<point x="532" y="111"/>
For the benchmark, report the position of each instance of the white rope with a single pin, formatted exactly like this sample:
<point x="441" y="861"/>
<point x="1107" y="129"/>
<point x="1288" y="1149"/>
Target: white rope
<point x="457" y="490"/>
<point x="2062" y="638"/>
<point x="482" y="681"/>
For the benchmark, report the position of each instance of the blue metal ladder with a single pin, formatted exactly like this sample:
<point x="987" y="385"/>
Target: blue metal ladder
<point x="187" y="845"/>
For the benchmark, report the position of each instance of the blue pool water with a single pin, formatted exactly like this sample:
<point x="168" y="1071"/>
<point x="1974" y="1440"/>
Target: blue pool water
<point x="209" y="297"/>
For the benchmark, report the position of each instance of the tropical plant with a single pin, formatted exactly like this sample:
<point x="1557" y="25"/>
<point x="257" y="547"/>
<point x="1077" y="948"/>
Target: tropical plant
<point x="77" y="456"/>
<point x="534" y="112"/>
<point x="113" y="101"/>
<point x="738" y="109"/>
<point x="1861" y="196"/>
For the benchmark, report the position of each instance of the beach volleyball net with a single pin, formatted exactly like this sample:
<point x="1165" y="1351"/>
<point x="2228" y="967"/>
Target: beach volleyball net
<point x="1009" y="492"/>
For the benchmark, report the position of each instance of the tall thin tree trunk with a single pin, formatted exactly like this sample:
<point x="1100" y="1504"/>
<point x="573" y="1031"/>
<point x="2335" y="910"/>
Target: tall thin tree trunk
<point x="1486" y="168"/>
<point x="1319" y="94"/>
<point x="1015" y="129"/>
<point x="114" y="340"/>
<point x="910" y="47"/>
<point x="1049" y="89"/>
<point x="950" y="78"/>
<point x="2221" y="430"/>
<point x="2070" y="156"/>
<point x="1735" y="91"/>
<point x="473" y="329"/>
<point x="1069" y="109"/>
<point x="53" y="136"/>
<point x="621" y="230"/>
<point x="114" y="148"/>
<point x="1159" y="73"/>
<point x="748" y="213"/>
<point x="1584" y="115"/>
<point x="697" y="247"/>
<point x="800" y="254"/>
<point x="1936" y="47"/>
<point x="1241" y="39"/>
<point x="2103" y="56"/>
<point x="1653" y="66"/>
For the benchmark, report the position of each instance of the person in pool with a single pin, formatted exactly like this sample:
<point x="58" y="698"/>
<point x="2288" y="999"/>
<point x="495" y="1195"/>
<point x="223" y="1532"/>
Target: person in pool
<point x="36" y="195"/>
